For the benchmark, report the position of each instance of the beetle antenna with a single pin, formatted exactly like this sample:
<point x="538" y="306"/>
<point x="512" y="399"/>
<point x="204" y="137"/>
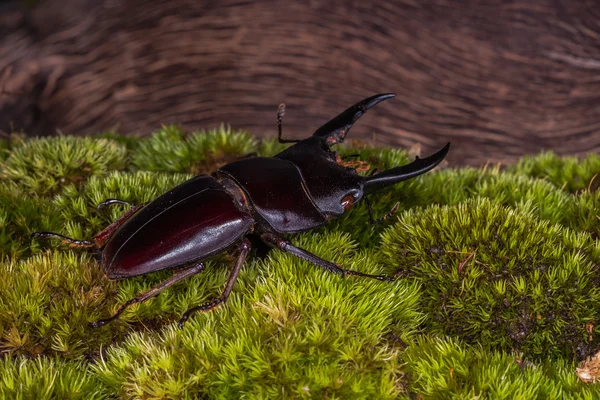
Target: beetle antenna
<point x="280" y="114"/>
<point x="64" y="239"/>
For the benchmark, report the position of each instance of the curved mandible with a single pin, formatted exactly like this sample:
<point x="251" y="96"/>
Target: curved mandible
<point x="404" y="172"/>
<point x="335" y="131"/>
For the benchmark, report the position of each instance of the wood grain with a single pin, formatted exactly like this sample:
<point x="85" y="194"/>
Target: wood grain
<point x="496" y="78"/>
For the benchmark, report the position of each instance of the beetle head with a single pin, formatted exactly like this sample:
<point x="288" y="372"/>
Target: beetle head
<point x="333" y="186"/>
<point x="351" y="190"/>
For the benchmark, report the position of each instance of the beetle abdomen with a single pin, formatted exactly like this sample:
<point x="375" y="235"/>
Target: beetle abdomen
<point x="278" y="193"/>
<point x="189" y="223"/>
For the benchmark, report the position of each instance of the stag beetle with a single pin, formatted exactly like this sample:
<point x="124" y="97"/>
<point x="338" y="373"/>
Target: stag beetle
<point x="299" y="189"/>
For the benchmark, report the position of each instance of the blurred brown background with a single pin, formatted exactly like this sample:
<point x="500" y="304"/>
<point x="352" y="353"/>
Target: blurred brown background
<point x="497" y="78"/>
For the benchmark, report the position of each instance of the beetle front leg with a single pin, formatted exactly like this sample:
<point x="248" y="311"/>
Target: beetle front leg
<point x="245" y="249"/>
<point x="142" y="297"/>
<point x="286" y="246"/>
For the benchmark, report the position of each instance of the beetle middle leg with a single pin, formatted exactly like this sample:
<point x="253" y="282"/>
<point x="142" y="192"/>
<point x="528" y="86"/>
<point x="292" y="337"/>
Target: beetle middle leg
<point x="244" y="250"/>
<point x="286" y="246"/>
<point x="142" y="297"/>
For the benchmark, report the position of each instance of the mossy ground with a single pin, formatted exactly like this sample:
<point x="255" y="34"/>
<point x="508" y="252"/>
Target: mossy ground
<point x="497" y="296"/>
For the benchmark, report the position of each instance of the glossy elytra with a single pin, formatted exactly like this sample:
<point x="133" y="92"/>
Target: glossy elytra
<point x="299" y="189"/>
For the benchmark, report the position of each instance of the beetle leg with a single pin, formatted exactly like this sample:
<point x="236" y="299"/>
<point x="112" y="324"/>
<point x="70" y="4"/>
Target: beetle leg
<point x="280" y="114"/>
<point x="65" y="239"/>
<point x="110" y="202"/>
<point x="142" y="297"/>
<point x="286" y="246"/>
<point x="245" y="249"/>
<point x="101" y="238"/>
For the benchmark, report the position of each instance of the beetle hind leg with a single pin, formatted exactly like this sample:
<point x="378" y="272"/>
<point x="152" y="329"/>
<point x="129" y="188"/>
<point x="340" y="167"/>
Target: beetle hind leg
<point x="210" y="305"/>
<point x="101" y="238"/>
<point x="65" y="239"/>
<point x="142" y="297"/>
<point x="286" y="246"/>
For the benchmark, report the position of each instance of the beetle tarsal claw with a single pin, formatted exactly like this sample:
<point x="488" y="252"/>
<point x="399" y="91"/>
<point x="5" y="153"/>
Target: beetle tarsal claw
<point x="211" y="305"/>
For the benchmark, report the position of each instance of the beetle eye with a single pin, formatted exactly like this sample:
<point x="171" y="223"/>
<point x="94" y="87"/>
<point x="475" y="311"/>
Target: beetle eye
<point x="348" y="202"/>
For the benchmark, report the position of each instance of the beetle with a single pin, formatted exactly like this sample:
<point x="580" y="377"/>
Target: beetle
<point x="298" y="189"/>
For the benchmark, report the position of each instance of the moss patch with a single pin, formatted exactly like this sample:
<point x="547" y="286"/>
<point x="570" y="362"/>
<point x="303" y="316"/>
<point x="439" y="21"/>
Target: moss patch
<point x="500" y="276"/>
<point x="497" y="290"/>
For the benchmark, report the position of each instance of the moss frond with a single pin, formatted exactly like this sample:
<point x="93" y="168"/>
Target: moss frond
<point x="21" y="215"/>
<point x="48" y="303"/>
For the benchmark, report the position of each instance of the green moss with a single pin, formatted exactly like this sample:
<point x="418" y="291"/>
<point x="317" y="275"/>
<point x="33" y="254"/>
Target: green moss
<point x="568" y="173"/>
<point x="78" y="206"/>
<point x="500" y="276"/>
<point x="48" y="378"/>
<point x="21" y="215"/>
<point x="50" y="301"/>
<point x="4" y="148"/>
<point x="45" y="166"/>
<point x="496" y="294"/>
<point x="171" y="150"/>
<point x="442" y="368"/>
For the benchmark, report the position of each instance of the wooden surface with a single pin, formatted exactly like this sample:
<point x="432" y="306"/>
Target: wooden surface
<point x="497" y="78"/>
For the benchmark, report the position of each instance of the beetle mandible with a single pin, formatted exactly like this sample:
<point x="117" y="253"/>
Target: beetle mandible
<point x="299" y="189"/>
